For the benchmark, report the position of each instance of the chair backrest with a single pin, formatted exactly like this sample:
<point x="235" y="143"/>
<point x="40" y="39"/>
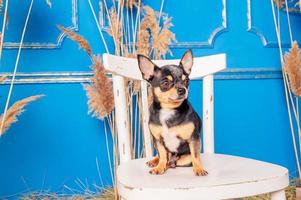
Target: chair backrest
<point x="203" y="67"/>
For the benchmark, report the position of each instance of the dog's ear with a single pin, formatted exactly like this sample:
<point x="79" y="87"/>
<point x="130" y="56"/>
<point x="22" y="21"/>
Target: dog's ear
<point x="187" y="61"/>
<point x="147" y="67"/>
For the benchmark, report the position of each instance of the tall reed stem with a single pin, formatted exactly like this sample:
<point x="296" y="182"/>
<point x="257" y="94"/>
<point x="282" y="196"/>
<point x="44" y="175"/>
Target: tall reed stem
<point x="16" y="67"/>
<point x="3" y="28"/>
<point x="286" y="86"/>
<point x="98" y="26"/>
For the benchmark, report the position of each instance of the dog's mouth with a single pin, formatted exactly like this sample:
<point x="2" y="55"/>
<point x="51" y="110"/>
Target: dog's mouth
<point x="177" y="100"/>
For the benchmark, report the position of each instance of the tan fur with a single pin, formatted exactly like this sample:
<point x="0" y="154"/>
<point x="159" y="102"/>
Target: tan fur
<point x="183" y="131"/>
<point x="165" y="98"/>
<point x="184" y="160"/>
<point x="154" y="162"/>
<point x="198" y="169"/>
<point x="155" y="130"/>
<point x="162" y="165"/>
<point x="169" y="77"/>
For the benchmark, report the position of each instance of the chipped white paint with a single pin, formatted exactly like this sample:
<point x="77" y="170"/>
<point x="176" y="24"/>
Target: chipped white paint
<point x="145" y="118"/>
<point x="217" y="31"/>
<point x="208" y="114"/>
<point x="279" y="195"/>
<point x="256" y="30"/>
<point x="229" y="176"/>
<point x="128" y="67"/>
<point x="121" y="118"/>
<point x="253" y="29"/>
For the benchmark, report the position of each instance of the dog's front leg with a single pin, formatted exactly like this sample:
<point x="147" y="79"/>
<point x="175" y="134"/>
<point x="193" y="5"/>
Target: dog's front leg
<point x="195" y="149"/>
<point x="161" y="167"/>
<point x="153" y="162"/>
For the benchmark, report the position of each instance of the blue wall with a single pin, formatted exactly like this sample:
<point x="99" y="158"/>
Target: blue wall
<point x="56" y="143"/>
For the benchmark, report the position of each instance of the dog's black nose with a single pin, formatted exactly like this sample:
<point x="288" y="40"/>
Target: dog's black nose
<point x="181" y="91"/>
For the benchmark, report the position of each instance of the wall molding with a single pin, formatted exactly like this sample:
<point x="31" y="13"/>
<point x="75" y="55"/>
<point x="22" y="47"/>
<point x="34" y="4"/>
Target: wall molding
<point x="84" y="77"/>
<point x="217" y="31"/>
<point x="49" y="45"/>
<point x="212" y="37"/>
<point x="256" y="30"/>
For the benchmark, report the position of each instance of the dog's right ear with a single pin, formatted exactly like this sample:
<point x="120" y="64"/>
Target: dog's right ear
<point x="147" y="67"/>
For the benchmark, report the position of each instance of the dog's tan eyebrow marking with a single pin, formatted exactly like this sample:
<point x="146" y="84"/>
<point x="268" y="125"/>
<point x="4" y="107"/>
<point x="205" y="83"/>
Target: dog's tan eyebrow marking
<point x="169" y="77"/>
<point x="183" y="77"/>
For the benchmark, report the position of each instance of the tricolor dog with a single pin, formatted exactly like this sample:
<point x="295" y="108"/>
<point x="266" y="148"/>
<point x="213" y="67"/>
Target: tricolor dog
<point x="174" y="124"/>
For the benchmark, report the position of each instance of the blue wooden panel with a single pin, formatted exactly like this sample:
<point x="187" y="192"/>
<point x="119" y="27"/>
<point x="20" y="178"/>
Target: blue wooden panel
<point x="190" y="22"/>
<point x="42" y="31"/>
<point x="258" y="10"/>
<point x="55" y="141"/>
<point x="56" y="138"/>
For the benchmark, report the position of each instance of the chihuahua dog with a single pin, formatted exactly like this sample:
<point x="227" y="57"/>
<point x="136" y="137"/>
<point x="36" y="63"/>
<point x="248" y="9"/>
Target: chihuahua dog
<point x="174" y="124"/>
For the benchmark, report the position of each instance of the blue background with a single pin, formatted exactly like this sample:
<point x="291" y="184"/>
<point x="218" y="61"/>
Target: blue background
<point x="55" y="144"/>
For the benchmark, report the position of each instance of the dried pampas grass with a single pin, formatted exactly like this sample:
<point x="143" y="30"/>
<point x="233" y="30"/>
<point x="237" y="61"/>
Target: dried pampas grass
<point x="163" y="40"/>
<point x="160" y="38"/>
<point x="132" y="3"/>
<point x="279" y="3"/>
<point x="143" y="42"/>
<point x="2" y="78"/>
<point x="292" y="66"/>
<point x="100" y="92"/>
<point x="82" y="42"/>
<point x="149" y="27"/>
<point x="115" y="28"/>
<point x="15" y="110"/>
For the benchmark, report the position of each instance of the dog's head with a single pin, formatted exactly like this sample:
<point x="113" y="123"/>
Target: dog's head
<point x="170" y="82"/>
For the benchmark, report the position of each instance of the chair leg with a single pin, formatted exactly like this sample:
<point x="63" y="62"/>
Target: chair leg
<point x="279" y="195"/>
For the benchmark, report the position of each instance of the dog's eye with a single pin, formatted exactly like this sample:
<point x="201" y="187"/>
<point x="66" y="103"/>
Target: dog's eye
<point x="165" y="83"/>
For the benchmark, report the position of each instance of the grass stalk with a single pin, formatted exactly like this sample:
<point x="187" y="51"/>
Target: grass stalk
<point x="286" y="86"/>
<point x="289" y="22"/>
<point x="98" y="26"/>
<point x="108" y="152"/>
<point x="16" y="67"/>
<point x="3" y="28"/>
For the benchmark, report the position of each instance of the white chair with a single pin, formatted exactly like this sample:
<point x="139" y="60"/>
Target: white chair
<point x="229" y="176"/>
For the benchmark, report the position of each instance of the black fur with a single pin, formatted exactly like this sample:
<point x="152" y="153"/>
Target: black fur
<point x="170" y="83"/>
<point x="184" y="113"/>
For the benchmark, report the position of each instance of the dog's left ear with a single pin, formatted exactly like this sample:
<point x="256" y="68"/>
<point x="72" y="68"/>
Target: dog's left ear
<point x="147" y="67"/>
<point x="187" y="61"/>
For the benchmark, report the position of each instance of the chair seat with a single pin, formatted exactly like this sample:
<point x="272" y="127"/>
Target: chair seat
<point x="229" y="177"/>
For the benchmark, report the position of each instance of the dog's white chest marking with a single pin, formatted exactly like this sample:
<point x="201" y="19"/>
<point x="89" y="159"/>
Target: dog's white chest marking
<point x="171" y="140"/>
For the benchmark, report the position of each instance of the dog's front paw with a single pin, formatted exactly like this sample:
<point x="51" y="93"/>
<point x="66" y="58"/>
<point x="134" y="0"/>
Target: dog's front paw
<point x="153" y="163"/>
<point x="157" y="170"/>
<point x="198" y="171"/>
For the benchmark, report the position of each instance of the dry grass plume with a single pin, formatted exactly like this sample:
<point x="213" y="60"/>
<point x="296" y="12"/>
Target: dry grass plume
<point x="115" y="28"/>
<point x="132" y="3"/>
<point x="2" y="78"/>
<point x="15" y="110"/>
<point x="100" y="92"/>
<point x="292" y="66"/>
<point x="278" y="3"/>
<point x="82" y="42"/>
<point x="150" y="31"/>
